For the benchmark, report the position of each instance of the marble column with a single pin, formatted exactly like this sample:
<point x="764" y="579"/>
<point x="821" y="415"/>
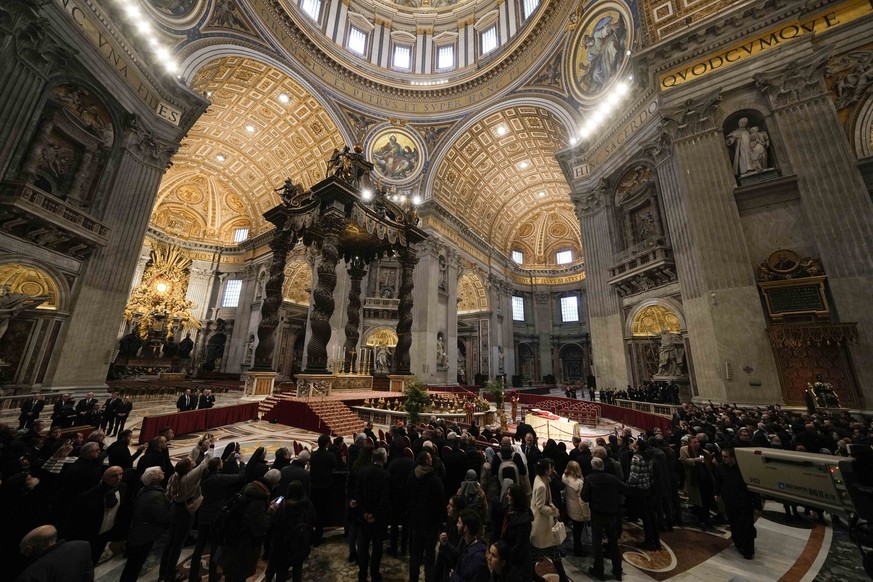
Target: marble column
<point x="726" y="325"/>
<point x="89" y="339"/>
<point x="201" y="275"/>
<point x="835" y="201"/>
<point x="426" y="314"/>
<point x="452" y="272"/>
<point x="605" y="318"/>
<point x="408" y="259"/>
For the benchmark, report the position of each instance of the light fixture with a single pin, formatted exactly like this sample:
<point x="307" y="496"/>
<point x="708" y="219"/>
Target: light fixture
<point x="209" y="93"/>
<point x="161" y="287"/>
<point x="143" y="27"/>
<point x="541" y="193"/>
<point x="501" y="130"/>
<point x="283" y="98"/>
<point x="366" y="193"/>
<point x="523" y="165"/>
<point x="250" y="128"/>
<point x="219" y="157"/>
<point x="416" y="200"/>
<point x="574" y="140"/>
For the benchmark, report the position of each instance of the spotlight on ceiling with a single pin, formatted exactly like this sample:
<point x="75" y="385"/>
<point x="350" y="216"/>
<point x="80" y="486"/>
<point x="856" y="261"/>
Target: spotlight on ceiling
<point x="283" y="98"/>
<point x="523" y="165"/>
<point x="219" y="157"/>
<point x="416" y="200"/>
<point x="250" y="128"/>
<point x="366" y="194"/>
<point x="541" y="194"/>
<point x="501" y="130"/>
<point x="574" y="140"/>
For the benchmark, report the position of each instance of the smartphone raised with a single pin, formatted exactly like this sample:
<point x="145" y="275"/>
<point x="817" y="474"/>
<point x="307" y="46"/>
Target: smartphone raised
<point x="279" y="500"/>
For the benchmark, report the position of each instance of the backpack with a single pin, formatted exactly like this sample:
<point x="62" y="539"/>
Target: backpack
<point x="227" y="526"/>
<point x="293" y="536"/>
<point x="474" y="502"/>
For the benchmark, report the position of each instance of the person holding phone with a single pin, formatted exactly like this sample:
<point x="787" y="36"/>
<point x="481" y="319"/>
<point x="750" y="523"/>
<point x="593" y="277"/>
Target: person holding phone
<point x="698" y="480"/>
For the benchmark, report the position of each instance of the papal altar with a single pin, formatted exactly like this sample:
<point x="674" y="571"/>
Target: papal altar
<point x="551" y="426"/>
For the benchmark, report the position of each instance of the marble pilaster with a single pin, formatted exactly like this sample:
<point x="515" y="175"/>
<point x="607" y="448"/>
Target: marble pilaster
<point x="726" y="326"/>
<point x="833" y="194"/>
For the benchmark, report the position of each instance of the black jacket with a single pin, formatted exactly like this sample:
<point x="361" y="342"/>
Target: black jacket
<point x="371" y="493"/>
<point x="603" y="492"/>
<point x="296" y="471"/>
<point x="427" y="500"/>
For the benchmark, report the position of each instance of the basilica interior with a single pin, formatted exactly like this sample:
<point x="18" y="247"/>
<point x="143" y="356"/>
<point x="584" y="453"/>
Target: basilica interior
<point x="529" y="192"/>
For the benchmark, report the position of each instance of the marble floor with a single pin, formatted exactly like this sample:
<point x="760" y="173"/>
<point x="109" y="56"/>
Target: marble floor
<point x="790" y="552"/>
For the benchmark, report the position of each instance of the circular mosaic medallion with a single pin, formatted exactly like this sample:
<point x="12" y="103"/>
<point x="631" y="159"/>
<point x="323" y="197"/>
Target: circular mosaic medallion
<point x="598" y="51"/>
<point x="396" y="154"/>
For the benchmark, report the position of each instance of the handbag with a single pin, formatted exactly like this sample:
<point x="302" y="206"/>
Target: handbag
<point x="559" y="533"/>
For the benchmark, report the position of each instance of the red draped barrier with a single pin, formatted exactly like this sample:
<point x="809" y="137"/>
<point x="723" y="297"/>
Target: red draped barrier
<point x="197" y="420"/>
<point x="627" y="416"/>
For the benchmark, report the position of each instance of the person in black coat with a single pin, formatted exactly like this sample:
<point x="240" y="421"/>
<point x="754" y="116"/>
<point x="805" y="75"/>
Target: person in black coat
<point x="186" y="401"/>
<point x="118" y="452"/>
<point x="321" y="466"/>
<point x="399" y="469"/>
<point x="516" y="530"/>
<point x="371" y="499"/>
<point x="522" y="429"/>
<point x="740" y="503"/>
<point x="296" y="471"/>
<point x="30" y="410"/>
<point x="100" y="514"/>
<point x="150" y="517"/>
<point x="603" y="493"/>
<point x="427" y="501"/>
<point x="86" y="404"/>
<point x="122" y="413"/>
<point x="107" y="421"/>
<point x="53" y="559"/>
<point x="217" y="488"/>
<point x="206" y="399"/>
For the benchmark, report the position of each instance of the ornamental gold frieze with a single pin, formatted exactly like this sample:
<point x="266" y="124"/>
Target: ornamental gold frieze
<point x="753" y="45"/>
<point x="521" y="279"/>
<point x="489" y="83"/>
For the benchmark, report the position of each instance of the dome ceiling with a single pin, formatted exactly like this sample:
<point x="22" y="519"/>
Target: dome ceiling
<point x="502" y="174"/>
<point x="243" y="147"/>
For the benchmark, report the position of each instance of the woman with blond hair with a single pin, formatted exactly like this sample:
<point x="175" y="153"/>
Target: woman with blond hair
<point x="577" y="509"/>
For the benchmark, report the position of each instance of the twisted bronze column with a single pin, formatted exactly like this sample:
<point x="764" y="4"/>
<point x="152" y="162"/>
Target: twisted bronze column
<point x="408" y="260"/>
<point x="322" y="296"/>
<point x="356" y="272"/>
<point x="280" y="245"/>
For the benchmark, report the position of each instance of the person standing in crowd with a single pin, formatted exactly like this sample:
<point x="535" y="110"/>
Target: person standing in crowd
<point x="698" y="480"/>
<point x="98" y="513"/>
<point x="426" y="500"/>
<point x="217" y="489"/>
<point x="184" y="491"/>
<point x="640" y="482"/>
<point x="472" y="565"/>
<point x="239" y="555"/>
<point x="322" y="464"/>
<point x="206" y="399"/>
<point x="603" y="491"/>
<point x="292" y="537"/>
<point x="122" y="413"/>
<point x="365" y="457"/>
<point x="151" y="517"/>
<point x="531" y="453"/>
<point x="498" y="556"/>
<point x="110" y="408"/>
<point x="84" y="405"/>
<point x="740" y="503"/>
<point x="371" y="498"/>
<point x="450" y="540"/>
<point x="545" y="513"/>
<point x="30" y="409"/>
<point x="576" y="508"/>
<point x="186" y="401"/>
<point x="399" y="471"/>
<point x="63" y="413"/>
<point x="118" y="452"/>
<point x="53" y="560"/>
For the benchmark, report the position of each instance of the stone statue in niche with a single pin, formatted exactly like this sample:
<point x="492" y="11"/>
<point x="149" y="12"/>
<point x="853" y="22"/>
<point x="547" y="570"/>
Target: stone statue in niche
<point x="443" y="273"/>
<point x="442" y="357"/>
<point x="250" y="350"/>
<point x="671" y="355"/>
<point x="500" y="360"/>
<point x="750" y="148"/>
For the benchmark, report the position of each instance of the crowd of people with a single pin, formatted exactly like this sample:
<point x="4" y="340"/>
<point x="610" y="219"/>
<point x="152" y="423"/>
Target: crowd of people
<point x="461" y="507"/>
<point x="109" y="416"/>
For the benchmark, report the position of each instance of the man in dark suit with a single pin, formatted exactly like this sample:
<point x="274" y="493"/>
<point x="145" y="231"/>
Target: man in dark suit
<point x="762" y="439"/>
<point x="532" y="453"/>
<point x="321" y="466"/>
<point x="30" y="410"/>
<point x="85" y="405"/>
<point x="603" y="493"/>
<point x="122" y="413"/>
<point x="371" y="499"/>
<point x="107" y="423"/>
<point x="425" y="515"/>
<point x="98" y="515"/>
<point x="53" y="560"/>
<point x="186" y="401"/>
<point x="521" y="430"/>
<point x="296" y="471"/>
<point x="206" y="399"/>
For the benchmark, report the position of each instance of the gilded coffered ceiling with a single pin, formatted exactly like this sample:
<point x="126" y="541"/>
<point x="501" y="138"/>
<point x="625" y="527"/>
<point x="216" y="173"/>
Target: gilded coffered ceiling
<point x="501" y="178"/>
<point x="545" y="231"/>
<point x="261" y="128"/>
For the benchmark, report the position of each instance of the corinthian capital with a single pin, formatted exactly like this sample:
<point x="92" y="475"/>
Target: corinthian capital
<point x="800" y="80"/>
<point x="590" y="201"/>
<point x="145" y="146"/>
<point x="694" y="117"/>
